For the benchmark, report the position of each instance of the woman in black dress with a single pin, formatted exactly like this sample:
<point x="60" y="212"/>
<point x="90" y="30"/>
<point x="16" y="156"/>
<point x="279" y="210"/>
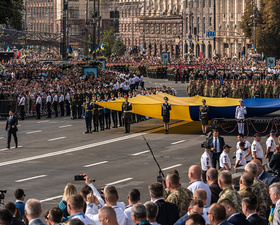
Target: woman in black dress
<point x="203" y="115"/>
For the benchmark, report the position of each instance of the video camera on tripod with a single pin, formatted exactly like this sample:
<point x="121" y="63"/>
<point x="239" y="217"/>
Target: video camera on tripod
<point x="2" y="196"/>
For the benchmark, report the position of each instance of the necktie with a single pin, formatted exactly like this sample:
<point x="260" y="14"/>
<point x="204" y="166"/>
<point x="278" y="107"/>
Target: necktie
<point x="216" y="145"/>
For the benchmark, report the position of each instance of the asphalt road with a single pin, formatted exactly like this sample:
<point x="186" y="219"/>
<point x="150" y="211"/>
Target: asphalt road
<point x="53" y="150"/>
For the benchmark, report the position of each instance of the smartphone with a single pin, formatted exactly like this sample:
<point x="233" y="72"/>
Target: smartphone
<point x="79" y="177"/>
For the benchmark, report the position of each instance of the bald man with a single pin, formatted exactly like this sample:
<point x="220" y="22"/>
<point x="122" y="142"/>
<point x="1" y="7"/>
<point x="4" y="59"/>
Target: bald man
<point x="197" y="183"/>
<point x="107" y="216"/>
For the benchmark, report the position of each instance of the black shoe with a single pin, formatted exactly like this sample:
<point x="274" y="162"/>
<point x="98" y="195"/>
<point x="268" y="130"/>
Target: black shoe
<point x="94" y="130"/>
<point x="16" y="146"/>
<point x="50" y="117"/>
<point x="8" y="147"/>
<point x="87" y="132"/>
<point x="166" y="131"/>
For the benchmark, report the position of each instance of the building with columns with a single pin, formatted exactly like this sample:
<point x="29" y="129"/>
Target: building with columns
<point x="180" y="26"/>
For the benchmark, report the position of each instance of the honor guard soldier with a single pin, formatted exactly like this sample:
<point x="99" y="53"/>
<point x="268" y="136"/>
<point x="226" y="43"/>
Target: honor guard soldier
<point x="38" y="106"/>
<point x="224" y="158"/>
<point x="257" y="93"/>
<point x="126" y="107"/>
<point x="80" y="103"/>
<point x="165" y="114"/>
<point x="114" y="112"/>
<point x="119" y="112"/>
<point x="225" y="92"/>
<point x="88" y="114"/>
<point x="240" y="116"/>
<point x="257" y="150"/>
<point x="95" y="113"/>
<point x="100" y="113"/>
<point x="61" y="104"/>
<point x="205" y="161"/>
<point x="203" y="116"/>
<point x="55" y="99"/>
<point x="107" y="112"/>
<point x="21" y="105"/>
<point x="49" y="103"/>
<point x="73" y="103"/>
<point x="67" y="103"/>
<point x="240" y="156"/>
<point x="270" y="145"/>
<point x="247" y="148"/>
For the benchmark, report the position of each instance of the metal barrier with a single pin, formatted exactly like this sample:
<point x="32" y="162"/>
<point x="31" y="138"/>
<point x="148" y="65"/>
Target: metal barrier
<point x="6" y="105"/>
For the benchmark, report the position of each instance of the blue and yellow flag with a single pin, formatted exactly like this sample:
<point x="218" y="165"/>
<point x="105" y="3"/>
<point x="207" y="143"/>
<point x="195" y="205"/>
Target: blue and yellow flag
<point x="89" y="49"/>
<point x="70" y="50"/>
<point x="102" y="47"/>
<point x="8" y="49"/>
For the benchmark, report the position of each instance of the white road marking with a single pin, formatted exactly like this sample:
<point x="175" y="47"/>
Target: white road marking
<point x="33" y="132"/>
<point x="6" y="149"/>
<point x="43" y="121"/>
<point x="52" y="198"/>
<point x="66" y="118"/>
<point x="69" y="125"/>
<point x="95" y="164"/>
<point x="170" y="167"/>
<point x="177" y="142"/>
<point x="30" y="178"/>
<point x="1" y="138"/>
<point x="84" y="147"/>
<point x="54" y="139"/>
<point x="170" y="126"/>
<point x="139" y="153"/>
<point x="120" y="181"/>
<point x="19" y="125"/>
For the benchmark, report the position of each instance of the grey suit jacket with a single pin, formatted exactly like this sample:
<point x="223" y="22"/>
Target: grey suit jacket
<point x="276" y="216"/>
<point x="36" y="222"/>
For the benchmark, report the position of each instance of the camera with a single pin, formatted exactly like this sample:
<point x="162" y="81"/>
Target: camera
<point x="2" y="194"/>
<point x="79" y="177"/>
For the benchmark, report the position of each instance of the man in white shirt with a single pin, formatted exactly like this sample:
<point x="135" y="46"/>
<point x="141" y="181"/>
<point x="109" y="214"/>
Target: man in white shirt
<point x="240" y="116"/>
<point x="54" y="102"/>
<point x="107" y="216"/>
<point x="21" y="105"/>
<point x="133" y="198"/>
<point x="270" y="145"/>
<point x="257" y="150"/>
<point x="224" y="158"/>
<point x="240" y="157"/>
<point x="247" y="149"/>
<point x="38" y="106"/>
<point x="61" y="103"/>
<point x="49" y="103"/>
<point x="205" y="162"/>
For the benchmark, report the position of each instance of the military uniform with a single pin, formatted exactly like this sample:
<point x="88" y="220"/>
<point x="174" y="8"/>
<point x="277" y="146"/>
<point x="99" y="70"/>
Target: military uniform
<point x="233" y="196"/>
<point x="107" y="116"/>
<point x="245" y="192"/>
<point x="73" y="103"/>
<point x="126" y="107"/>
<point x="256" y="147"/>
<point x="88" y="115"/>
<point x="101" y="116"/>
<point x="203" y="114"/>
<point x="95" y="116"/>
<point x="181" y="197"/>
<point x="206" y="91"/>
<point x="80" y="103"/>
<point x="114" y="115"/>
<point x="240" y="116"/>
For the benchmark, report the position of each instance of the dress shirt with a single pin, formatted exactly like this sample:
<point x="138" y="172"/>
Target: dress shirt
<point x="197" y="184"/>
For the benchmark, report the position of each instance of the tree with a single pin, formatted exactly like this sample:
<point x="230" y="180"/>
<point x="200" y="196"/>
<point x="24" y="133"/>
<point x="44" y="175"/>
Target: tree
<point x="119" y="48"/>
<point x="11" y="12"/>
<point x="247" y="20"/>
<point x="108" y="42"/>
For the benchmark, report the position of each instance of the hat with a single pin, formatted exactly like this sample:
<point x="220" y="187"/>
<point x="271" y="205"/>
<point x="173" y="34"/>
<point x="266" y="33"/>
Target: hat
<point x="242" y="143"/>
<point x="226" y="146"/>
<point x="165" y="98"/>
<point x="208" y="146"/>
<point x="203" y="100"/>
<point x="241" y="100"/>
<point x="272" y="132"/>
<point x="257" y="135"/>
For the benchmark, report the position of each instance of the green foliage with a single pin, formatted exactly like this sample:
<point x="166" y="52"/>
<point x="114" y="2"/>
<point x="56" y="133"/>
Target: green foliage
<point x="118" y="48"/>
<point x="108" y="42"/>
<point x="11" y="12"/>
<point x="247" y="21"/>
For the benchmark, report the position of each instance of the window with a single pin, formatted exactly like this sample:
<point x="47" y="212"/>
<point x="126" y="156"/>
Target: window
<point x="74" y="12"/>
<point x="203" y="1"/>
<point x="186" y="3"/>
<point x="198" y="25"/>
<point x="197" y="2"/>
<point x="187" y="25"/>
<point x="210" y="21"/>
<point x="74" y="29"/>
<point x="204" y="25"/>
<point x="209" y="3"/>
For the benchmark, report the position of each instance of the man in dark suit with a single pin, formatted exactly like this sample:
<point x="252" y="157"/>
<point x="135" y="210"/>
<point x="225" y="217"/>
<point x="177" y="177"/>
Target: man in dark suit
<point x="249" y="208"/>
<point x="265" y="177"/>
<point x="232" y="216"/>
<point x="216" y="143"/>
<point x="212" y="180"/>
<point x="11" y="128"/>
<point x="168" y="213"/>
<point x="217" y="215"/>
<point x="33" y="211"/>
<point x="13" y="209"/>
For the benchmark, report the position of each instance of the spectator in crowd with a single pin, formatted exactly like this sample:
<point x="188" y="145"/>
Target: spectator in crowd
<point x="46" y="215"/>
<point x="152" y="212"/>
<point x="168" y="212"/>
<point x="259" y="189"/>
<point x="177" y="194"/>
<point x="217" y="215"/>
<point x="108" y="188"/>
<point x="245" y="184"/>
<point x="133" y="197"/>
<point x="55" y="216"/>
<point x="194" y="176"/>
<point x="232" y="216"/>
<point x="274" y="163"/>
<point x="139" y="215"/>
<point x="75" y="222"/>
<point x="225" y="183"/>
<point x="196" y="207"/>
<point x="25" y="220"/>
<point x="6" y="217"/>
<point x="195" y="219"/>
<point x="274" y="192"/>
<point x="13" y="209"/>
<point x="19" y="195"/>
<point x="265" y="177"/>
<point x="201" y="194"/>
<point x="249" y="209"/>
<point x="212" y="180"/>
<point x="107" y="216"/>
<point x="69" y="190"/>
<point x="33" y="211"/>
<point x="75" y="207"/>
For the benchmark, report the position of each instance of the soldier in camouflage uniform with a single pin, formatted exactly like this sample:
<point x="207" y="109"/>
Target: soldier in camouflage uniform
<point x="234" y="91"/>
<point x="225" y="183"/>
<point x="276" y="89"/>
<point x="177" y="194"/>
<point x="190" y="88"/>
<point x="206" y="90"/>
